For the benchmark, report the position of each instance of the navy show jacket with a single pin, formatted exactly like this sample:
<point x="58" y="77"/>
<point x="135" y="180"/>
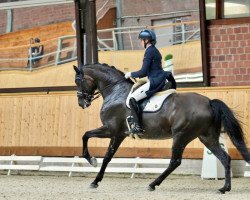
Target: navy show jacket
<point x="152" y="68"/>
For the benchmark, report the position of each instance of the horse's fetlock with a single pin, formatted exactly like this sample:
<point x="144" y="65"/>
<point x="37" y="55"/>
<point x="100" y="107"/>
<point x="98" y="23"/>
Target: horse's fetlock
<point x="99" y="178"/>
<point x="178" y="162"/>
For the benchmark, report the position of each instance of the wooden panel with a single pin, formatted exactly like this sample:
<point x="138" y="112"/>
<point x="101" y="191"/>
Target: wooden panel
<point x="56" y="121"/>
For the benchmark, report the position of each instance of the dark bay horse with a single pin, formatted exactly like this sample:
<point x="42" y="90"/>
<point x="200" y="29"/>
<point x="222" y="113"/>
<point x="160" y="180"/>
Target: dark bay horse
<point x="183" y="117"/>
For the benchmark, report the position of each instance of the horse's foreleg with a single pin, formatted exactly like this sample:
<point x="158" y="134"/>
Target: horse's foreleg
<point x="101" y="132"/>
<point x="113" y="146"/>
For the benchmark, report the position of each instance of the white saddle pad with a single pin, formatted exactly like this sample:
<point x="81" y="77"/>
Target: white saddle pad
<point x="155" y="102"/>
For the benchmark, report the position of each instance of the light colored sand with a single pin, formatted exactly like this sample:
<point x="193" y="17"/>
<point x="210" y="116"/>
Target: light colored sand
<point x="123" y="188"/>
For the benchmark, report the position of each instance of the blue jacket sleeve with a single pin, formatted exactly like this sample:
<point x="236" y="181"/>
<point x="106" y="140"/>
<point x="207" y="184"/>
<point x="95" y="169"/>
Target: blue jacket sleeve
<point x="145" y="67"/>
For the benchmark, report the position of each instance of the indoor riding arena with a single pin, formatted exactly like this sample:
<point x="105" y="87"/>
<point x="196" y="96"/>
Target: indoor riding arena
<point x="67" y="126"/>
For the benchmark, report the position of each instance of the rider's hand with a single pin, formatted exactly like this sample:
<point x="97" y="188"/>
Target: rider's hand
<point x="128" y="75"/>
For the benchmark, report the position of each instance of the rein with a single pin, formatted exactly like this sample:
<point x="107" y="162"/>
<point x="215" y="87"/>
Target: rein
<point x="83" y="94"/>
<point x="111" y="84"/>
<point x="98" y="93"/>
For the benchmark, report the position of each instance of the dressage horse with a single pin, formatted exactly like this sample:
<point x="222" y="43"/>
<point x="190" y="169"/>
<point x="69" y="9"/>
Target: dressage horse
<point x="182" y="117"/>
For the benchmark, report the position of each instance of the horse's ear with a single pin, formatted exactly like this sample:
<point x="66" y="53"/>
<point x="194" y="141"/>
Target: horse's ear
<point x="76" y="69"/>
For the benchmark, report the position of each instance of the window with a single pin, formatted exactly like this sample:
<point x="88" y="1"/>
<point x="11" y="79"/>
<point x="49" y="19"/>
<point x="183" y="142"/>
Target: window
<point x="236" y="8"/>
<point x="210" y="9"/>
<point x="224" y="9"/>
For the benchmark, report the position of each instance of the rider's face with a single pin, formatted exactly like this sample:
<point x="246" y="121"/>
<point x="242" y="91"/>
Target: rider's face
<point x="142" y="42"/>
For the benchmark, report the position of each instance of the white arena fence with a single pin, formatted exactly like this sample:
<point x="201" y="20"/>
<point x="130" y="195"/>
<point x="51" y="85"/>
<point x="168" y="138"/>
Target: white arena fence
<point x="75" y="164"/>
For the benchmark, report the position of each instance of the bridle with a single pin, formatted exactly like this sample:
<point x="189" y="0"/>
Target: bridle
<point x="88" y="98"/>
<point x="83" y="94"/>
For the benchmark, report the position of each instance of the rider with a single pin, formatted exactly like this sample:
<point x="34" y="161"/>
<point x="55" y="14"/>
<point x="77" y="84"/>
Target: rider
<point x="152" y="68"/>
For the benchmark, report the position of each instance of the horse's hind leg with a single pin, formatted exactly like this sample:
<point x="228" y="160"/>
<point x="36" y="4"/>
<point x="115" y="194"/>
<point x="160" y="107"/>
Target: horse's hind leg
<point x="214" y="146"/>
<point x="101" y="132"/>
<point x="177" y="150"/>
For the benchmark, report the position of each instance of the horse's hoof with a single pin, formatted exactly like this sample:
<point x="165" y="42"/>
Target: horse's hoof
<point x="93" y="186"/>
<point x="220" y="191"/>
<point x="224" y="190"/>
<point x="151" y="188"/>
<point x="93" y="162"/>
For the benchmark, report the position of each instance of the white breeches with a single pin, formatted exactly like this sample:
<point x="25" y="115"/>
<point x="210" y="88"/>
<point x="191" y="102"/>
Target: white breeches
<point x="140" y="93"/>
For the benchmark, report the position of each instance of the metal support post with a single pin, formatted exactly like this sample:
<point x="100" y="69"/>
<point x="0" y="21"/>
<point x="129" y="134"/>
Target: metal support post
<point x="80" y="30"/>
<point x="9" y="21"/>
<point x="183" y="32"/>
<point x="91" y="33"/>
<point x="119" y="23"/>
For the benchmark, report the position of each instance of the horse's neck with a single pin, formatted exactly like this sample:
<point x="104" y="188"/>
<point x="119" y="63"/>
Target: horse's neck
<point x="118" y="90"/>
<point x="109" y="86"/>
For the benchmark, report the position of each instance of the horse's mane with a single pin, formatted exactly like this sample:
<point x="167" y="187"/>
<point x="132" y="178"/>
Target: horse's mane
<point x="114" y="69"/>
<point x="117" y="70"/>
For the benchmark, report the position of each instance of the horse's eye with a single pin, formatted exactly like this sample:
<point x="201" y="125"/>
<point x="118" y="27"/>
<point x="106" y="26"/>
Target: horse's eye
<point x="78" y="82"/>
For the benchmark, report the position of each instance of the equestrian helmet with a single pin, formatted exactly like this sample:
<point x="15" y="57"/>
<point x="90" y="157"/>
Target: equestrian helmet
<point x="149" y="35"/>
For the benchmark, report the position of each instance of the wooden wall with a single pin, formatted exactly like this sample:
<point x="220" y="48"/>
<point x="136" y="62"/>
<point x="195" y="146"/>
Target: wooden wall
<point x="53" y="124"/>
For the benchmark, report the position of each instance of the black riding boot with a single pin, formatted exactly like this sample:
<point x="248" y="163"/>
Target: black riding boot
<point x="136" y="113"/>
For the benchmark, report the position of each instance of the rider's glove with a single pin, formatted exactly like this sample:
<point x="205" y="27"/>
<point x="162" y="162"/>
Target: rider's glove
<point x="128" y="75"/>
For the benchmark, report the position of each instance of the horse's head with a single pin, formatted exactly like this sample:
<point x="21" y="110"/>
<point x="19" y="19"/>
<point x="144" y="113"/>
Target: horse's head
<point x="85" y="88"/>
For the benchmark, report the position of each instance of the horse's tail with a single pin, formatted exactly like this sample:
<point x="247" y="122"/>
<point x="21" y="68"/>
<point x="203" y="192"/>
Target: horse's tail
<point x="223" y="114"/>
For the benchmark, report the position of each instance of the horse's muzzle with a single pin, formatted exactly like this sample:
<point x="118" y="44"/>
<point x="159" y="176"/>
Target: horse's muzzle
<point x="83" y="103"/>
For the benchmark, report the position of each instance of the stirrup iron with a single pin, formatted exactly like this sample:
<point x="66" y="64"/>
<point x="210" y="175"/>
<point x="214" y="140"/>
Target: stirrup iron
<point x="130" y="124"/>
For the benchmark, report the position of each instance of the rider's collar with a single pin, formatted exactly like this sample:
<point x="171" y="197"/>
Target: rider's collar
<point x="148" y="45"/>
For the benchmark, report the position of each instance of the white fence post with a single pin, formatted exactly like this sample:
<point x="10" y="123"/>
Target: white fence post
<point x="73" y="164"/>
<point x="135" y="166"/>
<point x="11" y="163"/>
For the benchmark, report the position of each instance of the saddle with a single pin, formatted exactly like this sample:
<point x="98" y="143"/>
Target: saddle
<point x="154" y="103"/>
